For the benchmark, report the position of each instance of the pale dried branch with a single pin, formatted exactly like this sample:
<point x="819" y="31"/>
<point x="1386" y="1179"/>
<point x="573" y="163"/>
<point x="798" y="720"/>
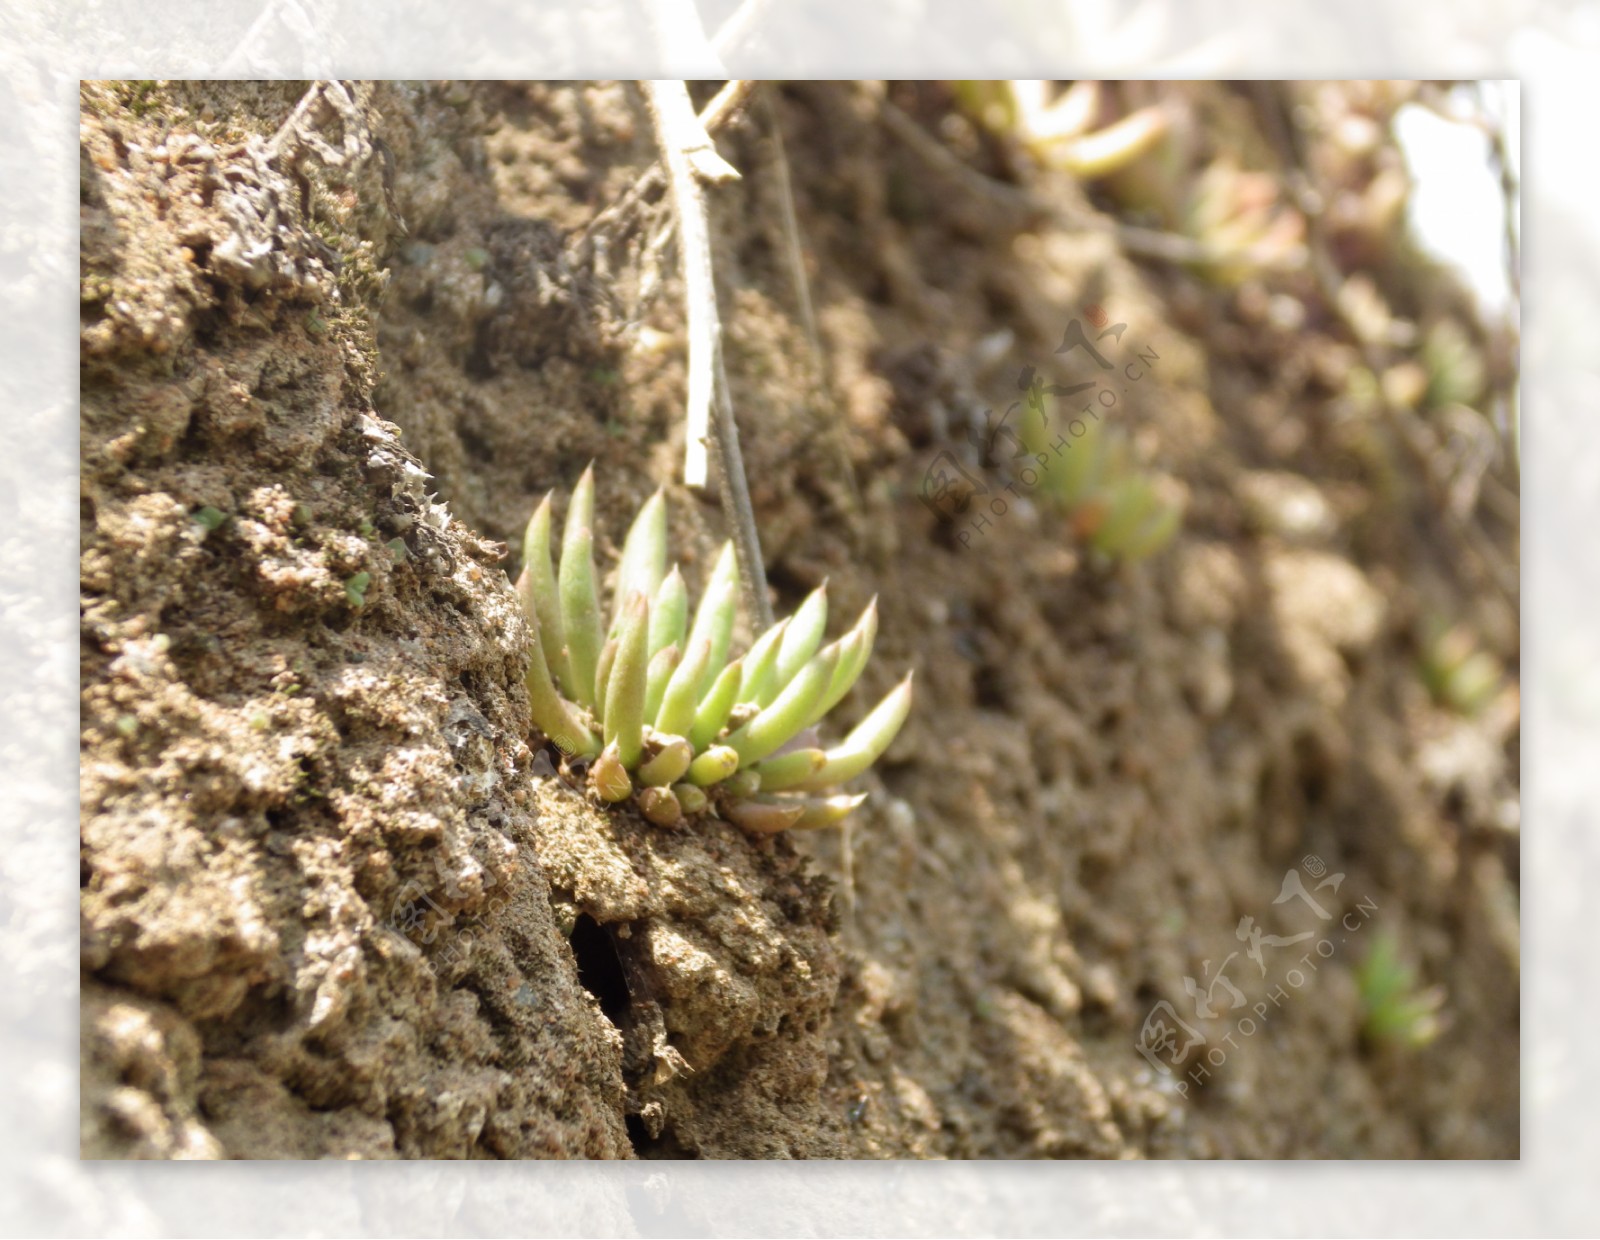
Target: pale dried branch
<point x="690" y="158"/>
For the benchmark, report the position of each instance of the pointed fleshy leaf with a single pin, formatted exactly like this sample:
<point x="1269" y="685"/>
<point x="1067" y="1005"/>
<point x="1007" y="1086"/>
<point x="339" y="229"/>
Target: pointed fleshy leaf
<point x="719" y="608"/>
<point x="609" y="778"/>
<point x="855" y="649"/>
<point x="717" y="705"/>
<point x="826" y="811"/>
<point x="675" y="714"/>
<point x="624" y="713"/>
<point x="693" y="800"/>
<point x="644" y="556"/>
<point x="803" y="637"/>
<point x="713" y="766"/>
<point x="866" y="742"/>
<point x="789" y="769"/>
<point x="556" y="717"/>
<point x="770" y="730"/>
<point x="1131" y="502"/>
<point x="602" y="673"/>
<point x="660" y="806"/>
<point x="762" y="817"/>
<point x="761" y="666"/>
<point x="669" y="765"/>
<point x="540" y="597"/>
<point x="745" y="783"/>
<point x="662" y="666"/>
<point x="580" y="605"/>
<point x="1155" y="533"/>
<point x="669" y="614"/>
<point x="1075" y="475"/>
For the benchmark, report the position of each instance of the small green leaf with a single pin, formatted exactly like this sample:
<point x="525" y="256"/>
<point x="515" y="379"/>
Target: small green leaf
<point x="662" y="666"/>
<point x="780" y="722"/>
<point x="625" y="695"/>
<point x="209" y="518"/>
<point x="759" y="684"/>
<point x="644" y="556"/>
<point x="676" y="714"/>
<point x="553" y="714"/>
<point x="714" y="710"/>
<point x="866" y="742"/>
<point x="789" y="769"/>
<point x="580" y="605"/>
<point x="539" y="594"/>
<point x="803" y="637"/>
<point x="713" y="766"/>
<point x="355" y="589"/>
<point x="719" y="607"/>
<point x="670" y="763"/>
<point x="669" y="614"/>
<point x="692" y="799"/>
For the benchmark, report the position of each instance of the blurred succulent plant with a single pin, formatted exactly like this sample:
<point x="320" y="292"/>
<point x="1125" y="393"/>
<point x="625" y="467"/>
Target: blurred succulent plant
<point x="1113" y="507"/>
<point x="1242" y="218"/>
<point x="1394" y="1011"/>
<point x="1058" y="132"/>
<point x="1455" y="367"/>
<point x="653" y="699"/>
<point x="1458" y="672"/>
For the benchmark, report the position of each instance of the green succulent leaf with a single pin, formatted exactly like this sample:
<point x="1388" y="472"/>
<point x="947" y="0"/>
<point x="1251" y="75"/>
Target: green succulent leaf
<point x="855" y="648"/>
<point x="804" y="635"/>
<point x="713" y="766"/>
<point x="670" y="763"/>
<point x="759" y="683"/>
<point x="866" y="743"/>
<point x="555" y="716"/>
<point x="712" y="715"/>
<point x="676" y="711"/>
<point x="537" y="589"/>
<point x="580" y="605"/>
<point x="788" y="769"/>
<point x="644" y="556"/>
<point x="789" y="713"/>
<point x="623" y="720"/>
<point x="719" y="608"/>
<point x="669" y="614"/>
<point x="762" y="817"/>
<point x="662" y="666"/>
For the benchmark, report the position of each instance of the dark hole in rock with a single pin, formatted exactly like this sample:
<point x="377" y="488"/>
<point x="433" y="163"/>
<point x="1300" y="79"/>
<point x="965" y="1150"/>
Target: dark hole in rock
<point x="600" y="968"/>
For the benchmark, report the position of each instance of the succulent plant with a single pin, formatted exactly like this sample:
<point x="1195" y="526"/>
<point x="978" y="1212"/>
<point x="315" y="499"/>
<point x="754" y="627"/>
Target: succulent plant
<point x="1458" y="671"/>
<point x="1395" y="1011"/>
<point x="650" y="697"/>
<point x="1112" y="506"/>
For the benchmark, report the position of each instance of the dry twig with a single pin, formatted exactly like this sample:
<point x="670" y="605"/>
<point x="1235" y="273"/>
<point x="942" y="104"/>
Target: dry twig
<point x="690" y="159"/>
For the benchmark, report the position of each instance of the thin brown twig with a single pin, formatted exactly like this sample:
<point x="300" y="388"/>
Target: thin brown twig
<point x="713" y="116"/>
<point x="690" y="158"/>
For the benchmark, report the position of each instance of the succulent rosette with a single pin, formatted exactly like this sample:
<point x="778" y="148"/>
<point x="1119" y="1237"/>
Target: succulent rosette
<point x="651" y="698"/>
